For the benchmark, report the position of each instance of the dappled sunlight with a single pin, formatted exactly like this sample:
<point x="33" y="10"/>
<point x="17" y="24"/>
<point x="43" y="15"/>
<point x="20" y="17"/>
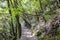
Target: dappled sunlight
<point x="29" y="19"/>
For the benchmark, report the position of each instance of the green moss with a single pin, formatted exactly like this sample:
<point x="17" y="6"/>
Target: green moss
<point x="58" y="33"/>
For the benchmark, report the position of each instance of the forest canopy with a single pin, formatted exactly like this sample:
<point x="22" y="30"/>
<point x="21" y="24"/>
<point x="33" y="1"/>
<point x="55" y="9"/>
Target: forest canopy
<point x="39" y="17"/>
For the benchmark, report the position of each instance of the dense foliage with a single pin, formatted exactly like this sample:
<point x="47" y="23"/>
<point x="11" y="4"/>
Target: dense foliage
<point x="36" y="14"/>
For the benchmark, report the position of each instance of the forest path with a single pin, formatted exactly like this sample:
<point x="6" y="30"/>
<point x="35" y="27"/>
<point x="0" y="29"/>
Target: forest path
<point x="26" y="33"/>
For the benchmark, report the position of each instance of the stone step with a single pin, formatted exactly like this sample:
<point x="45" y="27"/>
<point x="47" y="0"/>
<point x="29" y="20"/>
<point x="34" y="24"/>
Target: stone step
<point x="26" y="34"/>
